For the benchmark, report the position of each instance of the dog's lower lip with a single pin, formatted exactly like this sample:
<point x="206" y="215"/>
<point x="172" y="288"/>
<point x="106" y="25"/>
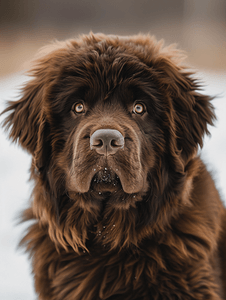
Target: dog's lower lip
<point x="105" y="180"/>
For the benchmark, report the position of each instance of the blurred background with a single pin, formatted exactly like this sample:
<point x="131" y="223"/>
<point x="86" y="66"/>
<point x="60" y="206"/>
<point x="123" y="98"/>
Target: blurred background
<point x="197" y="26"/>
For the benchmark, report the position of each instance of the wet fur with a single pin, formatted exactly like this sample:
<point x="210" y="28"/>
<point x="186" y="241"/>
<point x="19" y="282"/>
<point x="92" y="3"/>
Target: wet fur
<point x="157" y="229"/>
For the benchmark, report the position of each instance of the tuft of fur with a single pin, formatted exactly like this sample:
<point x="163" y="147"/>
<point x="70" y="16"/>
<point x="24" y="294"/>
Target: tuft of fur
<point x="156" y="228"/>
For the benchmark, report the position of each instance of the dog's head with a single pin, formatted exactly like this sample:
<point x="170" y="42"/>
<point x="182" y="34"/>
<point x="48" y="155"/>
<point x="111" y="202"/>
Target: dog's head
<point x="112" y="124"/>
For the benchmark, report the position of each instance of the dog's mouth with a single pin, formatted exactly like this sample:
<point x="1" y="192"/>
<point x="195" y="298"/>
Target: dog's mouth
<point x="106" y="176"/>
<point x="105" y="180"/>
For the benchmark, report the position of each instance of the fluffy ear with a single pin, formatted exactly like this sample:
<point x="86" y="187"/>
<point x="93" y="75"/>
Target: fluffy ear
<point x="26" y="121"/>
<point x="192" y="111"/>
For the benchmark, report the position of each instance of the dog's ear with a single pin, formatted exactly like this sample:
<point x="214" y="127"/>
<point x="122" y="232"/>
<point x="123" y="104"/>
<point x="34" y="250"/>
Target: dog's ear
<point x="26" y="120"/>
<point x="192" y="111"/>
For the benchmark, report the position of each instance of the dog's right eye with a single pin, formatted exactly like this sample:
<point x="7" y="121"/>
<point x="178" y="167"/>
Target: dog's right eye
<point x="139" y="109"/>
<point x="78" y="108"/>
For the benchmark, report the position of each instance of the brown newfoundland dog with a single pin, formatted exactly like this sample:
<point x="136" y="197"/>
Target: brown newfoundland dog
<point x="122" y="206"/>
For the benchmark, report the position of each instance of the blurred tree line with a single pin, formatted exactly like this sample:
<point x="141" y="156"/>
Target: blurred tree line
<point x="198" y="26"/>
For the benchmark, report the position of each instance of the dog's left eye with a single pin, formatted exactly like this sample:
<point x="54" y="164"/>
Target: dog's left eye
<point x="138" y="108"/>
<point x="78" y="108"/>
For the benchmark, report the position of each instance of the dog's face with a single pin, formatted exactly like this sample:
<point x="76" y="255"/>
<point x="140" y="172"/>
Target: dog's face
<point x="106" y="107"/>
<point x="111" y="120"/>
<point x="109" y="128"/>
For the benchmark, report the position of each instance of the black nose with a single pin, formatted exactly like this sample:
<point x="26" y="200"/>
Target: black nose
<point x="106" y="141"/>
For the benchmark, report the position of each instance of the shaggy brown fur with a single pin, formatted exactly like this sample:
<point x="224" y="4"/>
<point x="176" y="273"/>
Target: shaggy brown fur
<point x="141" y="217"/>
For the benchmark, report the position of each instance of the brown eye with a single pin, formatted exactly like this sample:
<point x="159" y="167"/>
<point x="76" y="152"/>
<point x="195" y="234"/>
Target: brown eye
<point x="138" y="108"/>
<point x="79" y="108"/>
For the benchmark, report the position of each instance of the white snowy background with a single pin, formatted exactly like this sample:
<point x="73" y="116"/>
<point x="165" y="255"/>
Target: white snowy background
<point x="16" y="281"/>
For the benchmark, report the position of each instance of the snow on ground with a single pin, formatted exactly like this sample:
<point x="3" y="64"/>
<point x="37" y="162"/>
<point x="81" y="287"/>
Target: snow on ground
<point x="16" y="281"/>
